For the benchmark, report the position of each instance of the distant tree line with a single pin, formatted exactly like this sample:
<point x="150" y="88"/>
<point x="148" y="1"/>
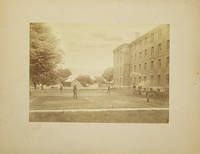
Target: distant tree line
<point x="87" y="80"/>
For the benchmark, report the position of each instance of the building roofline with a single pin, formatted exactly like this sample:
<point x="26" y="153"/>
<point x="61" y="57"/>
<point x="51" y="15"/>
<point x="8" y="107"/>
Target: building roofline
<point x="121" y="46"/>
<point x="133" y="42"/>
<point x="149" y="32"/>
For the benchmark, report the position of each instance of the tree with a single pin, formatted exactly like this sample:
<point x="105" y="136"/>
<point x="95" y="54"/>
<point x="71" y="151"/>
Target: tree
<point x="108" y="74"/>
<point x="99" y="79"/>
<point x="85" y="79"/>
<point x="45" y="54"/>
<point x="63" y="74"/>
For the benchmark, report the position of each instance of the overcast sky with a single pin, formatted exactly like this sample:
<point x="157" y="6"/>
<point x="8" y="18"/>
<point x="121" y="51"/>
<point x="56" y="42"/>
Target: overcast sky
<point x="89" y="47"/>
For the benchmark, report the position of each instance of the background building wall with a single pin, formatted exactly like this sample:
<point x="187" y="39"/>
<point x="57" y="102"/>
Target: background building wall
<point x="121" y="65"/>
<point x="144" y="59"/>
<point x="150" y="60"/>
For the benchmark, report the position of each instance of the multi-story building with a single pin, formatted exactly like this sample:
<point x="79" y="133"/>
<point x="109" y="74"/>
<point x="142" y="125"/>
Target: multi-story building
<point x="122" y="65"/>
<point x="147" y="59"/>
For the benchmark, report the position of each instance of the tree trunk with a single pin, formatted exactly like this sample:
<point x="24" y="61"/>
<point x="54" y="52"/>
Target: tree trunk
<point x="34" y="85"/>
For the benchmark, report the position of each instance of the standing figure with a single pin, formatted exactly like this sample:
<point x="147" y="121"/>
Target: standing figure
<point x="108" y="90"/>
<point x="147" y="96"/>
<point x="61" y="88"/>
<point x="75" y="91"/>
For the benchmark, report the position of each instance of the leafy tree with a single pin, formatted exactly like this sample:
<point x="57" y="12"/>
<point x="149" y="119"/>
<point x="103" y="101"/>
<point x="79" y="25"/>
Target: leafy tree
<point x="45" y="55"/>
<point x="108" y="74"/>
<point x="85" y="79"/>
<point x="63" y="74"/>
<point x="99" y="79"/>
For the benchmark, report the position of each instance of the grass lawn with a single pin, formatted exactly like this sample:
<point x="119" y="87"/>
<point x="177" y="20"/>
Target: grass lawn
<point x="135" y="116"/>
<point x="95" y="99"/>
<point x="90" y="99"/>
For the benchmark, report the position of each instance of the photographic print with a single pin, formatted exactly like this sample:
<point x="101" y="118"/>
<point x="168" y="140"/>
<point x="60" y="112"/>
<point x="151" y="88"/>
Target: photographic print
<point x="100" y="73"/>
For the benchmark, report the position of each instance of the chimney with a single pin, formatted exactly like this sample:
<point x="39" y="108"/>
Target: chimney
<point x="137" y="34"/>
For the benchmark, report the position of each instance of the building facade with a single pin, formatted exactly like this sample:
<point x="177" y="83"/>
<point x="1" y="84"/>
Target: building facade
<point x="147" y="60"/>
<point x="121" y="66"/>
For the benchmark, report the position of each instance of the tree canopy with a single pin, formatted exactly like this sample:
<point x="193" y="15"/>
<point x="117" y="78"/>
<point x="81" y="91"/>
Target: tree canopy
<point x="108" y="74"/>
<point x="85" y="79"/>
<point x="99" y="79"/>
<point x="63" y="74"/>
<point x="45" y="55"/>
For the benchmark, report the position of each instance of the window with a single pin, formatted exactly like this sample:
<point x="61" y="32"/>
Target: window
<point x="159" y="79"/>
<point x="145" y="66"/>
<point x="167" y="78"/>
<point x="145" y="52"/>
<point x="135" y="68"/>
<point x="159" y="47"/>
<point x="145" y="78"/>
<point x="168" y="44"/>
<point x="167" y="61"/>
<point x="152" y="64"/>
<point x="152" y="51"/>
<point x="139" y="67"/>
<point x="135" y="55"/>
<point x="159" y="63"/>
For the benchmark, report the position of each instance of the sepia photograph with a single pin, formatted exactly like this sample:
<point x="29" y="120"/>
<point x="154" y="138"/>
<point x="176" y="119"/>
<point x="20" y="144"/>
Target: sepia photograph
<point x="99" y="77"/>
<point x="99" y="73"/>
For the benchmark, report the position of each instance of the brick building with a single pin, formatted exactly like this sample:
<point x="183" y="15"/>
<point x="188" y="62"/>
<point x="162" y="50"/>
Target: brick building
<point x="144" y="59"/>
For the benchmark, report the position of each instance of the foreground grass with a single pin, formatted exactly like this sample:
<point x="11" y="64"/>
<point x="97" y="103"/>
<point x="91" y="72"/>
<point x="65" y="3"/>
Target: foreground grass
<point x="91" y="102"/>
<point x="136" y="116"/>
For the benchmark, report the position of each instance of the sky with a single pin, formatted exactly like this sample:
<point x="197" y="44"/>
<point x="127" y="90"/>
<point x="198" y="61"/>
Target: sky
<point x="88" y="47"/>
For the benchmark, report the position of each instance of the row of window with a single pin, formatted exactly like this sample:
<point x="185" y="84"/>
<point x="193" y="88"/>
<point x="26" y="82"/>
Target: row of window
<point x="152" y="64"/>
<point x="152" y="78"/>
<point x="150" y="38"/>
<point x="144" y="53"/>
<point x="159" y="65"/>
